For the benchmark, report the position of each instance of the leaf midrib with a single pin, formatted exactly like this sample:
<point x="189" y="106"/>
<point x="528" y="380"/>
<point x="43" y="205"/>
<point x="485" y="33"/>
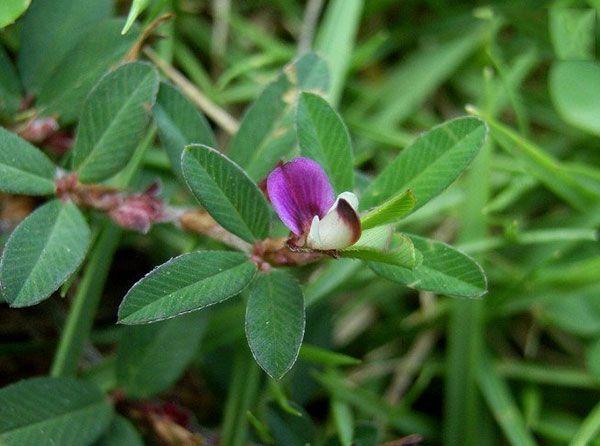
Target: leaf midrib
<point x="224" y="195"/>
<point x="167" y="296"/>
<point x="336" y="176"/>
<point x="435" y="160"/>
<point x="40" y="256"/>
<point x="53" y="419"/>
<point x="117" y="115"/>
<point x="32" y="175"/>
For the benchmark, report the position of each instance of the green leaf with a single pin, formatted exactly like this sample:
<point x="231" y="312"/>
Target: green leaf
<point x="414" y="80"/>
<point x="58" y="411"/>
<point x="323" y="136"/>
<point x="575" y="92"/>
<point x="592" y="358"/>
<point x="336" y="38"/>
<point x="430" y="164"/>
<point x="577" y="188"/>
<point x="65" y="22"/>
<point x="318" y="355"/>
<point x="275" y="322"/>
<point x="99" y="49"/>
<point x="151" y="357"/>
<point x="113" y="121"/>
<point x="10" y="10"/>
<point x="186" y="283"/>
<point x="179" y="124"/>
<point x="374" y="246"/>
<point x="266" y="133"/>
<point x="10" y="86"/>
<point x="343" y="419"/>
<point x="443" y="270"/>
<point x="120" y="433"/>
<point x="576" y="312"/>
<point x="226" y="192"/>
<point x="572" y="32"/>
<point x="137" y="7"/>
<point x="499" y="399"/>
<point x="390" y="211"/>
<point x="42" y="252"/>
<point x="24" y="169"/>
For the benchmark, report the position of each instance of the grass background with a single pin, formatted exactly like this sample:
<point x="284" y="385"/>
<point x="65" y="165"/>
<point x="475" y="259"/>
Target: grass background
<point x="520" y="366"/>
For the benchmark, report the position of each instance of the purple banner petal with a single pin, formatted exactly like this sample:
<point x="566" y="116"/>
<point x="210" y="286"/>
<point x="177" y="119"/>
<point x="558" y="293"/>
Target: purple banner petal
<point x="299" y="190"/>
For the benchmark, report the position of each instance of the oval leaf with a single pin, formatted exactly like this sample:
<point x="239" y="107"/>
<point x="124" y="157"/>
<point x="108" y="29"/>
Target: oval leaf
<point x="275" y="322"/>
<point x="430" y="164"/>
<point x="443" y="270"/>
<point x="151" y="357"/>
<point x="266" y="133"/>
<point x="101" y="47"/>
<point x="42" y="252"/>
<point x="186" y="283"/>
<point x="66" y="21"/>
<point x="323" y="136"/>
<point x="575" y="91"/>
<point x="226" y="192"/>
<point x="24" y="169"/>
<point x="60" y="411"/>
<point x="113" y="120"/>
<point x="179" y="124"/>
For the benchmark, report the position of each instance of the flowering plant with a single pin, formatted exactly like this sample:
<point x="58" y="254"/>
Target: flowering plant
<point x="263" y="247"/>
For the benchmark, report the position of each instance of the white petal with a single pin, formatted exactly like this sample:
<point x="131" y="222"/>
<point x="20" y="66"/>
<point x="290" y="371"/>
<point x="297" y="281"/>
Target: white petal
<point x="339" y="228"/>
<point x="314" y="238"/>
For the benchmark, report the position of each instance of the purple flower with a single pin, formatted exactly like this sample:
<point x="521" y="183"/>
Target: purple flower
<point x="303" y="198"/>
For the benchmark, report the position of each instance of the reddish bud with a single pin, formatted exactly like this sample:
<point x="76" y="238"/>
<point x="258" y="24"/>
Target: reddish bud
<point x="139" y="211"/>
<point x="39" y="129"/>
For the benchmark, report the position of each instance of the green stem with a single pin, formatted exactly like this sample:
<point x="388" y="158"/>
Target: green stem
<point x="87" y="298"/>
<point x="588" y="429"/>
<point x="245" y="381"/>
<point x="79" y="322"/>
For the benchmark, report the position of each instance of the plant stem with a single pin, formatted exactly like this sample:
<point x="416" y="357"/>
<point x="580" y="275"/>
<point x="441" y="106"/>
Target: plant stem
<point x="245" y="381"/>
<point x="79" y="322"/>
<point x="588" y="429"/>
<point x="80" y="319"/>
<point x="220" y="116"/>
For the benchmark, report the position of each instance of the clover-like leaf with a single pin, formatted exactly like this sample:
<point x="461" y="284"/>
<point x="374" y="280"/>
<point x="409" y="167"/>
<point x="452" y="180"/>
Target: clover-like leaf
<point x="42" y="252"/>
<point x="430" y="164"/>
<point x="99" y="48"/>
<point x="113" y="121"/>
<point x="186" y="283"/>
<point x="151" y="357"/>
<point x="226" y="192"/>
<point x="266" y="133"/>
<point x="24" y="169"/>
<point x="443" y="270"/>
<point x="61" y="411"/>
<point x="179" y="124"/>
<point x="323" y="136"/>
<point x="275" y="322"/>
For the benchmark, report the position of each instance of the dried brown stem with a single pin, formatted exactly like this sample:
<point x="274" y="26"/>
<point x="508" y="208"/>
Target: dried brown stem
<point x="216" y="113"/>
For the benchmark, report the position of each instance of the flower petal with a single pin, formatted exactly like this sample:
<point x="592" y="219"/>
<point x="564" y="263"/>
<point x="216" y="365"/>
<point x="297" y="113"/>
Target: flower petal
<point x="339" y="229"/>
<point x="299" y="190"/>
